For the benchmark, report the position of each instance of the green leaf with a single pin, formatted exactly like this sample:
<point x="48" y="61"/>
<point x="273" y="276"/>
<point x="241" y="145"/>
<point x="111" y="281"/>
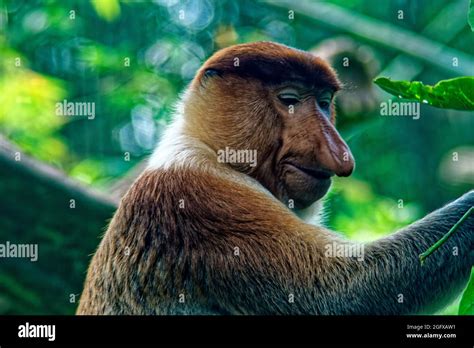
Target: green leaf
<point x="457" y="93"/>
<point x="443" y="240"/>
<point x="470" y="16"/>
<point x="466" y="307"/>
<point x="107" y="9"/>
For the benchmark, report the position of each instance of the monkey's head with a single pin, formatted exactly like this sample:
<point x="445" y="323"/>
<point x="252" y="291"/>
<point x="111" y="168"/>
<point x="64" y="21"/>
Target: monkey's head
<point x="278" y="101"/>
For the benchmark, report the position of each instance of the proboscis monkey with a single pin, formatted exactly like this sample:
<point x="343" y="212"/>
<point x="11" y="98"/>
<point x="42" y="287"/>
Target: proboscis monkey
<point x="201" y="233"/>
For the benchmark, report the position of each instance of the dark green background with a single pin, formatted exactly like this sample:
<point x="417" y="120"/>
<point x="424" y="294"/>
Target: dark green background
<point x="82" y="59"/>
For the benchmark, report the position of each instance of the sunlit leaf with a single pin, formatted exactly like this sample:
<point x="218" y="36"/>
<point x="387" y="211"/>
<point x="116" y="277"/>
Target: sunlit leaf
<point x="107" y="9"/>
<point x="466" y="307"/>
<point x="86" y="171"/>
<point x="457" y="93"/>
<point x="226" y="35"/>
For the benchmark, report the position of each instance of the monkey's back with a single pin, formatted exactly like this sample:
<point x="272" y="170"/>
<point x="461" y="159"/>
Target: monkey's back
<point x="154" y="257"/>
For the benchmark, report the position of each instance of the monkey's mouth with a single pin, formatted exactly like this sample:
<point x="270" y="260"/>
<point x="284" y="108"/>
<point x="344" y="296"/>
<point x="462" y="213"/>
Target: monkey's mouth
<point x="306" y="185"/>
<point x="316" y="173"/>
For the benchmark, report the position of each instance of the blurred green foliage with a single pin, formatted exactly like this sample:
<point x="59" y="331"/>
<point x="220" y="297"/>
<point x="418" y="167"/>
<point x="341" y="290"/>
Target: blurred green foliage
<point x="471" y="14"/>
<point x="364" y="215"/>
<point x="25" y="93"/>
<point x="133" y="58"/>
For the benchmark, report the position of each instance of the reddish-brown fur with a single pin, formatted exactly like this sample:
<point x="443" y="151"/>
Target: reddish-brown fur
<point x="196" y="236"/>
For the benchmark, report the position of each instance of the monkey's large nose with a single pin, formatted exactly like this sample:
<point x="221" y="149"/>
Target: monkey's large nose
<point x="346" y="165"/>
<point x="334" y="154"/>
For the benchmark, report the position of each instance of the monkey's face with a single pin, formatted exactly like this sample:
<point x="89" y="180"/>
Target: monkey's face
<point x="311" y="150"/>
<point x="276" y="101"/>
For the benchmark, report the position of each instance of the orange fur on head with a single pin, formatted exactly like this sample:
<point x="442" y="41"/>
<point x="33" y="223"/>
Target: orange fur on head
<point x="233" y="104"/>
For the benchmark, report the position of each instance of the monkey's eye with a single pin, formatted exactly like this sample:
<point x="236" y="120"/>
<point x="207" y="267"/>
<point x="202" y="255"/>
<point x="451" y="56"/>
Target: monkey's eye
<point x="324" y="100"/>
<point x="289" y="96"/>
<point x="324" y="104"/>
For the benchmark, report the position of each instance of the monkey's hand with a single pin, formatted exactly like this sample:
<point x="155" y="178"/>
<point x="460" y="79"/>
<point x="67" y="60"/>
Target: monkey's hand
<point x="425" y="287"/>
<point x="453" y="229"/>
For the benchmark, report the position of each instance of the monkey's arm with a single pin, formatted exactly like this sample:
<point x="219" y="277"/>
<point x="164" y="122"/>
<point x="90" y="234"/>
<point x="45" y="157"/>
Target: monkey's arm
<point x="404" y="286"/>
<point x="282" y="266"/>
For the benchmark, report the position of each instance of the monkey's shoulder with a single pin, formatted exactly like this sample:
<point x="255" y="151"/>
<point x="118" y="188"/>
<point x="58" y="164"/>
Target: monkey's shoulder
<point x="179" y="199"/>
